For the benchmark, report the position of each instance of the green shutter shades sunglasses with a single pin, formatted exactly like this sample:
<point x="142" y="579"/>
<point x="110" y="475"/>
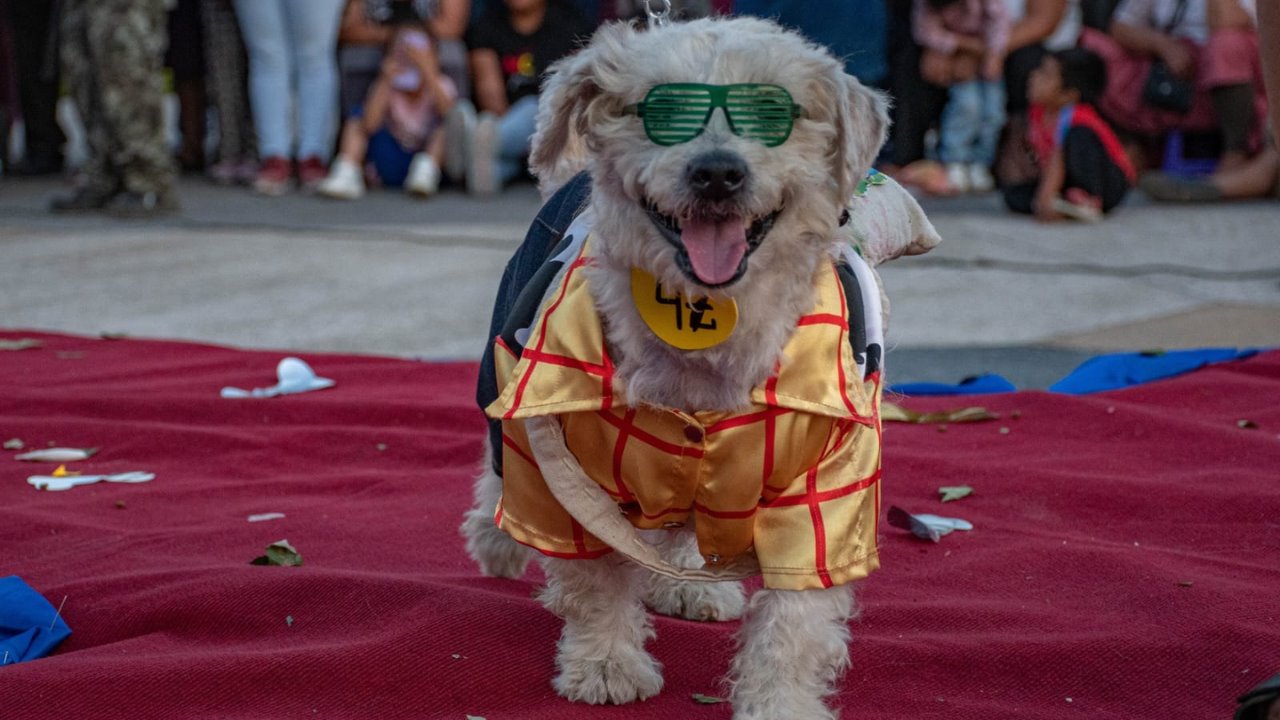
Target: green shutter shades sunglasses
<point x="675" y="113"/>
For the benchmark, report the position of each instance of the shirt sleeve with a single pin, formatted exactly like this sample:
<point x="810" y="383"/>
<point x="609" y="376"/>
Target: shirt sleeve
<point x="929" y="31"/>
<point x="1135" y="12"/>
<point x="480" y="35"/>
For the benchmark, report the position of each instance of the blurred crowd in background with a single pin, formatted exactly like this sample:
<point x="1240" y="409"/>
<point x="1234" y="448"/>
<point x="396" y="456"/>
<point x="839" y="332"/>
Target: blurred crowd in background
<point x="1061" y="105"/>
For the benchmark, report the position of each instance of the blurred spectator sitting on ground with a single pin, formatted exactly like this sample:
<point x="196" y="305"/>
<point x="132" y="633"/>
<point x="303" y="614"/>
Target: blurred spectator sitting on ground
<point x="1083" y="169"/>
<point x="292" y="46"/>
<point x="400" y="128"/>
<point x="112" y="59"/>
<point x="365" y="32"/>
<point x="964" y="45"/>
<point x="1257" y="178"/>
<point x="511" y="46"/>
<point x="227" y="83"/>
<point x="1039" y="27"/>
<point x="1186" y="65"/>
<point x="35" y="62"/>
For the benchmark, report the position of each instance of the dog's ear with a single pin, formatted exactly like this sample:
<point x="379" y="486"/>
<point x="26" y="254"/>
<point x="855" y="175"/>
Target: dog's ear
<point x="559" y="150"/>
<point x="862" y="125"/>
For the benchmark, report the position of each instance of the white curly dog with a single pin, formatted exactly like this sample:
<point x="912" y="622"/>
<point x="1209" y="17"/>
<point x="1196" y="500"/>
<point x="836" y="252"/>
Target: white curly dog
<point x="715" y="207"/>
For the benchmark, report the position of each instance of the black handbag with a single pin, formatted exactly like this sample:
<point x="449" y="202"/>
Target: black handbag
<point x="1163" y="89"/>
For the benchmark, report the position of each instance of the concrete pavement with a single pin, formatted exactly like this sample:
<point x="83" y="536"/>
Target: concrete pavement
<point x="392" y="275"/>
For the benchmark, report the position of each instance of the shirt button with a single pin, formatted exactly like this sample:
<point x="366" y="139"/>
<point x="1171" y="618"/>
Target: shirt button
<point x="693" y="433"/>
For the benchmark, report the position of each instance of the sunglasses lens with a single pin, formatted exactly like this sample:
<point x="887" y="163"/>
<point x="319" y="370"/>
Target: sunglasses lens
<point x="674" y="114"/>
<point x="761" y="112"/>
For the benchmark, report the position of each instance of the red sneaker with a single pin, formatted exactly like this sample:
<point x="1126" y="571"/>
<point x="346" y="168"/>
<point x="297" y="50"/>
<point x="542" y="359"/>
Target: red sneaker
<point x="274" y="176"/>
<point x="311" y="171"/>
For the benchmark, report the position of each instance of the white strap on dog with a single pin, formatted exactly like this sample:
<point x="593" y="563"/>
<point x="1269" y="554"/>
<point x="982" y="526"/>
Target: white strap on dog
<point x="588" y="503"/>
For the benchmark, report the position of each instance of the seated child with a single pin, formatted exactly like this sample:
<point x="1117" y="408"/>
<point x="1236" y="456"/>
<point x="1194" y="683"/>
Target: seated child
<point x="400" y="128"/>
<point x="1084" y="171"/>
<point x="964" y="44"/>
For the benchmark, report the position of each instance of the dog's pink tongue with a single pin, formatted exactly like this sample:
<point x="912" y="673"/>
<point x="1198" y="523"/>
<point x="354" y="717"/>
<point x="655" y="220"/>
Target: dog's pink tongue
<point x="715" y="248"/>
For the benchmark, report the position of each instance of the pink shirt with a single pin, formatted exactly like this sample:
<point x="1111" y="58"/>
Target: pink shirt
<point x="940" y="29"/>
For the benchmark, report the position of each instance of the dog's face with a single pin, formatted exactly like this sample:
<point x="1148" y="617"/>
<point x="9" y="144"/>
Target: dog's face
<point x="707" y="205"/>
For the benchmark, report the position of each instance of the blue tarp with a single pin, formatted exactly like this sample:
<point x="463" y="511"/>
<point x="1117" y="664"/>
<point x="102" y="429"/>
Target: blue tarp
<point x="1121" y="370"/>
<point x="28" y="628"/>
<point x="980" y="385"/>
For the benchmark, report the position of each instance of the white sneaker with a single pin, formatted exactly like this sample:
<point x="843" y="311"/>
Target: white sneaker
<point x="459" y="124"/>
<point x="980" y="180"/>
<point x="424" y="176"/>
<point x="482" y="161"/>
<point x="958" y="178"/>
<point x="345" y="181"/>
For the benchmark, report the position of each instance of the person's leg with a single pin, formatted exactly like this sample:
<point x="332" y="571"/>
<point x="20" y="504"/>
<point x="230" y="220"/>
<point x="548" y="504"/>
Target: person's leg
<point x="313" y="25"/>
<point x="186" y="59"/>
<point x="127" y="40"/>
<point x="262" y="25"/>
<point x="1257" y="178"/>
<point x="992" y="121"/>
<point x="1090" y="169"/>
<point x="1229" y="70"/>
<point x="515" y="134"/>
<point x="32" y="23"/>
<point x="960" y="123"/>
<point x="1020" y="198"/>
<point x="358" y="67"/>
<point x="354" y="141"/>
<point x="101" y="182"/>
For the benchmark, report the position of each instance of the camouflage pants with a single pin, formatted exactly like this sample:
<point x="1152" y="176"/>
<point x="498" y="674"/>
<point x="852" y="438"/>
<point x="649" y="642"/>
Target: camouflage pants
<point x="112" y="59"/>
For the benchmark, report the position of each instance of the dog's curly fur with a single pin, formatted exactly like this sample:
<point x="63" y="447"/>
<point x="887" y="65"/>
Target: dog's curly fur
<point x="793" y="645"/>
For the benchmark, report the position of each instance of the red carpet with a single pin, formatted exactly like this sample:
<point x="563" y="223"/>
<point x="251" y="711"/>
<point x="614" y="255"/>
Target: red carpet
<point x="1125" y="561"/>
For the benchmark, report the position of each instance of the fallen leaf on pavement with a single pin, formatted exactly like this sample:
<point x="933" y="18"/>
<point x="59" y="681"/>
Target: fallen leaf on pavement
<point x="955" y="492"/>
<point x="279" y="553"/>
<point x="14" y="444"/>
<point x="707" y="699"/>
<point x="20" y="344"/>
<point x="889" y="412"/>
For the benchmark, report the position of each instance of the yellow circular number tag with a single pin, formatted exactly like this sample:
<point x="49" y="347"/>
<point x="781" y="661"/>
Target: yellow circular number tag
<point x="678" y="321"/>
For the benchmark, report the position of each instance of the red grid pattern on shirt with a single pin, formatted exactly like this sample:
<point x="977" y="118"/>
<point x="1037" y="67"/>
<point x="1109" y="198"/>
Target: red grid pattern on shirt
<point x="627" y="430"/>
<point x="536" y="355"/>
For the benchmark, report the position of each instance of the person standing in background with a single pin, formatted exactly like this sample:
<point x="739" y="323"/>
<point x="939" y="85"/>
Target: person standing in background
<point x="112" y="58"/>
<point x="292" y="47"/>
<point x="228" y="86"/>
<point x="36" y="61"/>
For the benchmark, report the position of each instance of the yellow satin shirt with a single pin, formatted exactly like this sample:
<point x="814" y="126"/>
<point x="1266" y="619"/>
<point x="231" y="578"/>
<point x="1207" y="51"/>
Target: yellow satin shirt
<point x="793" y="478"/>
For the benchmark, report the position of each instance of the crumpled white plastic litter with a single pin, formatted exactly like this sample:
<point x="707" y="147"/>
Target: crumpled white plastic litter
<point x="66" y="482"/>
<point x="294" y="375"/>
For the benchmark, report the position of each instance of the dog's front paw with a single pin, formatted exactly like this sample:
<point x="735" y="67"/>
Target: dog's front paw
<point x="693" y="600"/>
<point x="622" y="677"/>
<point x="492" y="549"/>
<point x="775" y="706"/>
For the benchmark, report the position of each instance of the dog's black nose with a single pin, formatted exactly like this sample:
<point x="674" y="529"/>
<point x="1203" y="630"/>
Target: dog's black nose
<point x="716" y="175"/>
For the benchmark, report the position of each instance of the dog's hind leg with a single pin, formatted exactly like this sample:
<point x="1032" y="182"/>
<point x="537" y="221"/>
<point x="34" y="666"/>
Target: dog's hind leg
<point x="492" y="549"/>
<point x="793" y="647"/>
<point x="691" y="599"/>
<point x="601" y="655"/>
